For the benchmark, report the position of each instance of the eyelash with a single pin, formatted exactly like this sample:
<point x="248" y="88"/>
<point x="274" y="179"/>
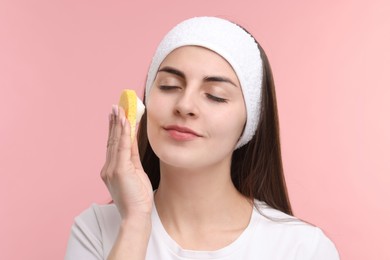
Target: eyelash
<point x="216" y="99"/>
<point x="211" y="97"/>
<point x="165" y="87"/>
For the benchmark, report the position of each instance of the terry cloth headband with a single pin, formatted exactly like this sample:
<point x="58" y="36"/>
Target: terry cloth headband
<point x="232" y="43"/>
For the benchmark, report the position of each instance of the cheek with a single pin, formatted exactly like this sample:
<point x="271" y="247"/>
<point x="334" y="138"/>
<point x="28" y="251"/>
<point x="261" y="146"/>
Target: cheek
<point x="152" y="128"/>
<point x="153" y="118"/>
<point x="241" y="121"/>
<point x="240" y="117"/>
<point x="157" y="101"/>
<point x="155" y="104"/>
<point x="157" y="112"/>
<point x="229" y="126"/>
<point x="237" y="118"/>
<point x="238" y="127"/>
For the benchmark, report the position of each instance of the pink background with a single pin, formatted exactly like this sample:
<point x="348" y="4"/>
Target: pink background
<point x="63" y="63"/>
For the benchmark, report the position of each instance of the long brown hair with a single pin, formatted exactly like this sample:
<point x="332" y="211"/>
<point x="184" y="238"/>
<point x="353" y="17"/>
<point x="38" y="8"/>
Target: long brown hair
<point x="256" y="168"/>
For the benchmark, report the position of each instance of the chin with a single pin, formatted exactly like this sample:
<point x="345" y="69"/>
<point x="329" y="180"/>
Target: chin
<point x="179" y="160"/>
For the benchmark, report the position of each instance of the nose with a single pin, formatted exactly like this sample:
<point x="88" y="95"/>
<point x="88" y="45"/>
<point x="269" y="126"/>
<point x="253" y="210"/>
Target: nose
<point x="186" y="105"/>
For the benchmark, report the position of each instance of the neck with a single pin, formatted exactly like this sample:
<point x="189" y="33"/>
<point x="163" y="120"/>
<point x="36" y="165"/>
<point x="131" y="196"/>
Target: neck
<point x="201" y="209"/>
<point x="201" y="197"/>
<point x="196" y="184"/>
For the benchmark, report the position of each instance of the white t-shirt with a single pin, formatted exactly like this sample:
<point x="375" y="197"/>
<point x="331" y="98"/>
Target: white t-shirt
<point x="94" y="232"/>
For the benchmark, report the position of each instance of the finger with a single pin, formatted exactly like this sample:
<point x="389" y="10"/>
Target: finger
<point x="110" y="120"/>
<point x="113" y="141"/>
<point x="124" y="146"/>
<point x="135" y="159"/>
<point x="110" y="125"/>
<point x="110" y="117"/>
<point x="110" y="133"/>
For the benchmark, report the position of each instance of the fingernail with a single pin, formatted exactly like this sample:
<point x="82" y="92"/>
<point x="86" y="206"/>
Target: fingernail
<point x="115" y="109"/>
<point x="123" y="121"/>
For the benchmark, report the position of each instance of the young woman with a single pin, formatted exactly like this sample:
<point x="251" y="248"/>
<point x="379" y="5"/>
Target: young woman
<point x="207" y="180"/>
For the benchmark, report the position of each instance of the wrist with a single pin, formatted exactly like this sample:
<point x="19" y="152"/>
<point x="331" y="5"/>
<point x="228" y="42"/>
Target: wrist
<point x="133" y="238"/>
<point x="140" y="222"/>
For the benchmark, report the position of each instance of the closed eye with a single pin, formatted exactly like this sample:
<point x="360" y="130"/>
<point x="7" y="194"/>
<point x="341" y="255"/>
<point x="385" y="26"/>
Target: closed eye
<point x="216" y="99"/>
<point x="166" y="87"/>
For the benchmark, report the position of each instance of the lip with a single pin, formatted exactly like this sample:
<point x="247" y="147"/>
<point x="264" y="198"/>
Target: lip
<point x="181" y="133"/>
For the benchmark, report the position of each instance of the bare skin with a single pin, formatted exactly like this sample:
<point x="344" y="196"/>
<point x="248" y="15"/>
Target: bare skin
<point x="130" y="189"/>
<point x="196" y="199"/>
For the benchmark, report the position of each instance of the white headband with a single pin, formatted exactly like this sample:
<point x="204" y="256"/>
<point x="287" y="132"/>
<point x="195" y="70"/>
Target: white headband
<point x="232" y="43"/>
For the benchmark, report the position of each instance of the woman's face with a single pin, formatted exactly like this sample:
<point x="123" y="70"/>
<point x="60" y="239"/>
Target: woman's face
<point x="196" y="111"/>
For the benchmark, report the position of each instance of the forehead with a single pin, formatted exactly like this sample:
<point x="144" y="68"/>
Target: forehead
<point x="196" y="58"/>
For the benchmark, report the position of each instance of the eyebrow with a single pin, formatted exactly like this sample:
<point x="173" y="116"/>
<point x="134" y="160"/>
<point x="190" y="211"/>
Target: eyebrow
<point x="172" y="71"/>
<point x="206" y="79"/>
<point x="219" y="79"/>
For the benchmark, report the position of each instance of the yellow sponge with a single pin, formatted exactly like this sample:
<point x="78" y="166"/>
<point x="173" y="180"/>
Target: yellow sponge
<point x="133" y="107"/>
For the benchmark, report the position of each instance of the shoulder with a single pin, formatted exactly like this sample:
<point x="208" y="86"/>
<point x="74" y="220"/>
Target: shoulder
<point x="93" y="232"/>
<point x="99" y="217"/>
<point x="100" y="222"/>
<point x="99" y="213"/>
<point x="285" y="232"/>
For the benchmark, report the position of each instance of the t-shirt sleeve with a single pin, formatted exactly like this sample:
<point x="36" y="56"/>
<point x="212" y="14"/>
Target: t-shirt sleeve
<point x="324" y="248"/>
<point x="85" y="241"/>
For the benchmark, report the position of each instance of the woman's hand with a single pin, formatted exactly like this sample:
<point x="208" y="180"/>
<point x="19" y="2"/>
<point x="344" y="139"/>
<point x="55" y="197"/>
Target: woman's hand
<point x="122" y="172"/>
